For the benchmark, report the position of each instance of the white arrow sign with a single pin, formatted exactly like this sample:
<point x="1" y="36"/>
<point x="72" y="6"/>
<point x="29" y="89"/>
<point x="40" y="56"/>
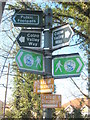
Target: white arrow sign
<point x="61" y="36"/>
<point x="22" y="39"/>
<point x="19" y="56"/>
<point x="67" y="34"/>
<point x="14" y="18"/>
<point x="80" y="64"/>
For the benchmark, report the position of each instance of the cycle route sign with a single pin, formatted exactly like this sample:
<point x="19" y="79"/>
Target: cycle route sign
<point x="65" y="66"/>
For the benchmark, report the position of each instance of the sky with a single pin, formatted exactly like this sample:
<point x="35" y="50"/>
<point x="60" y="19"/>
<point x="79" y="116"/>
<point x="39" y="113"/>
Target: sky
<point x="64" y="87"/>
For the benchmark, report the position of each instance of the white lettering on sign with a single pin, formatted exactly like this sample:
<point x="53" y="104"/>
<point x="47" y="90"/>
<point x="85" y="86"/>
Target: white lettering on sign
<point x="33" y="39"/>
<point x="31" y="43"/>
<point x="58" y="37"/>
<point x="49" y="105"/>
<point x="26" y="17"/>
<point x="44" y="86"/>
<point x="58" y="41"/>
<point x="26" y="21"/>
<point x="58" y="33"/>
<point x="32" y="35"/>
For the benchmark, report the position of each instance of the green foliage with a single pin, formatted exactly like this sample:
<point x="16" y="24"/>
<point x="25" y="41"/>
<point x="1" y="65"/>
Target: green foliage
<point x="60" y="112"/>
<point x="77" y="113"/>
<point x="27" y="104"/>
<point x="9" y="114"/>
<point x="77" y="15"/>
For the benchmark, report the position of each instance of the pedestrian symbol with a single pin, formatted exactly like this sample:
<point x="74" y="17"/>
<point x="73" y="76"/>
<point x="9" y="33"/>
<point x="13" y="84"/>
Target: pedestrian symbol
<point x="58" y="66"/>
<point x="38" y="61"/>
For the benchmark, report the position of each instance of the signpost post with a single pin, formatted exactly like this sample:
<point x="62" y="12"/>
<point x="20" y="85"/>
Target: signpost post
<point x="62" y="66"/>
<point x="61" y="36"/>
<point x="27" y="18"/>
<point x="30" y="61"/>
<point x="69" y="65"/>
<point x="29" y="38"/>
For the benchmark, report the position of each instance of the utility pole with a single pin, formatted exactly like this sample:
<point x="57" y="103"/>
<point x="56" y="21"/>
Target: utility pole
<point x="89" y="77"/>
<point x="6" y="91"/>
<point x="47" y="113"/>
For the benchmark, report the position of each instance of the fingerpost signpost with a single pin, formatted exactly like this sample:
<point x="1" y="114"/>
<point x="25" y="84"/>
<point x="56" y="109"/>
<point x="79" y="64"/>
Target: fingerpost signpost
<point x="43" y="62"/>
<point x="30" y="61"/>
<point x="69" y="65"/>
<point x="30" y="38"/>
<point x="27" y="18"/>
<point x="61" y="36"/>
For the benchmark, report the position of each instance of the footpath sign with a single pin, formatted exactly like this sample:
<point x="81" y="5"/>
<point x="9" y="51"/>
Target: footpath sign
<point x="27" y="18"/>
<point x="50" y="101"/>
<point x="30" y="61"/>
<point x="69" y="65"/>
<point x="29" y="38"/>
<point x="61" y="36"/>
<point x="44" y="86"/>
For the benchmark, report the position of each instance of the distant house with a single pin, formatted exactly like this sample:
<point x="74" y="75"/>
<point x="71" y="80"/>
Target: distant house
<point x="1" y="109"/>
<point x="78" y="103"/>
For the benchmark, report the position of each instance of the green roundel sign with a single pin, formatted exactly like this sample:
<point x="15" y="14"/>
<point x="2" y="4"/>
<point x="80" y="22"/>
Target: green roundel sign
<point x="30" y="61"/>
<point x="67" y="66"/>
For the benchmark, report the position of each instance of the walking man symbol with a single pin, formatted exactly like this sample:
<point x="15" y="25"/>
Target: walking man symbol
<point x="58" y="66"/>
<point x="38" y="61"/>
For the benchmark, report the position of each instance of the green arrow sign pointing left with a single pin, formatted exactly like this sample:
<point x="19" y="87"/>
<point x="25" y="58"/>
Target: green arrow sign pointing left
<point x="30" y="61"/>
<point x="67" y="66"/>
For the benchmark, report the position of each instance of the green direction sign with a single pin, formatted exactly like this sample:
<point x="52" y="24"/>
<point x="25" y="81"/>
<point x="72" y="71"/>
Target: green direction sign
<point x="27" y="18"/>
<point x="69" y="65"/>
<point x="30" y="61"/>
<point x="61" y="36"/>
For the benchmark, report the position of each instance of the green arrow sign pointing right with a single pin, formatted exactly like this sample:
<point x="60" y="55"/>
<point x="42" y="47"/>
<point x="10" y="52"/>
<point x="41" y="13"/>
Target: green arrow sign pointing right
<point x="30" y="61"/>
<point x="67" y="66"/>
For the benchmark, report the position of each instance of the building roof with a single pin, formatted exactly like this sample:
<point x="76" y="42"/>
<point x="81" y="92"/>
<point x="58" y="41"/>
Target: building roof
<point x="77" y="103"/>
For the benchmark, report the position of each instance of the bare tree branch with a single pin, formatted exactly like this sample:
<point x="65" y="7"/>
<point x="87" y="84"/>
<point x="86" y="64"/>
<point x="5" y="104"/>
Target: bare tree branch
<point x="79" y="88"/>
